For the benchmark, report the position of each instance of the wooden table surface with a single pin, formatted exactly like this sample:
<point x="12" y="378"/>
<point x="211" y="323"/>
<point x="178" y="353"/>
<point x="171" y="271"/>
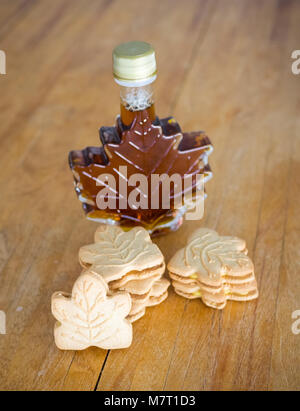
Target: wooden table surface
<point x="225" y="67"/>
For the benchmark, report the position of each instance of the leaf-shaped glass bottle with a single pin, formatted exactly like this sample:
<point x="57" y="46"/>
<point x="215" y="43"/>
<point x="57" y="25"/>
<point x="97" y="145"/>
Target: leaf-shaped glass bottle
<point x="117" y="182"/>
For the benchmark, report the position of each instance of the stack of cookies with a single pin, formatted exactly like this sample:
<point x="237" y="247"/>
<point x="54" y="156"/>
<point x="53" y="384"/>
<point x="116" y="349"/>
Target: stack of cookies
<point x="214" y="268"/>
<point x="128" y="261"/>
<point x="123" y="274"/>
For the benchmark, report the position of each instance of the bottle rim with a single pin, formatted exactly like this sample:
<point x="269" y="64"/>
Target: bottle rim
<point x="136" y="83"/>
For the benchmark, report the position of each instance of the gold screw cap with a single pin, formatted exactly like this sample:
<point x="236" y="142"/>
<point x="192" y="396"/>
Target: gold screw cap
<point x="134" y="64"/>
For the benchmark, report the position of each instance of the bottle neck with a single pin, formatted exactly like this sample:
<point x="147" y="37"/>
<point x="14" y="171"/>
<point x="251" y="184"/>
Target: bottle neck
<point x="133" y="100"/>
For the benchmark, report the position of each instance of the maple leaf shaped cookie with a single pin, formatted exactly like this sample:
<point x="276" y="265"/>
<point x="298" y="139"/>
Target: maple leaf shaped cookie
<point x="215" y="268"/>
<point x="116" y="253"/>
<point x="128" y="261"/>
<point x="88" y="317"/>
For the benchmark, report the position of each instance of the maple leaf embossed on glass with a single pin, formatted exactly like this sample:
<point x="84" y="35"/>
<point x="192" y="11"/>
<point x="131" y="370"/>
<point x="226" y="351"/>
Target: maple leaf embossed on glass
<point x="123" y="181"/>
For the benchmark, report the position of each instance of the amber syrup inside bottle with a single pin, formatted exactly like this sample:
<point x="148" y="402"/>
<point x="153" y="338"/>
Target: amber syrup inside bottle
<point x="128" y="115"/>
<point x="137" y="107"/>
<point x="135" y="100"/>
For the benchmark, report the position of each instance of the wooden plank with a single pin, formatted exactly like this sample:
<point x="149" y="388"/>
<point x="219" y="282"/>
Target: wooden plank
<point x="10" y="12"/>
<point x="232" y="349"/>
<point x="285" y="366"/>
<point x="37" y="227"/>
<point x="236" y="352"/>
<point x="223" y="66"/>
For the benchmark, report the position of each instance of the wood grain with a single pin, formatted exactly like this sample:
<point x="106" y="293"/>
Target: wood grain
<point x="224" y="67"/>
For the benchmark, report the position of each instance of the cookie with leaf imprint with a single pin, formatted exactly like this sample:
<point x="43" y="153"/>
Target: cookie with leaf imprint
<point x="90" y="317"/>
<point x="127" y="261"/>
<point x="214" y="268"/>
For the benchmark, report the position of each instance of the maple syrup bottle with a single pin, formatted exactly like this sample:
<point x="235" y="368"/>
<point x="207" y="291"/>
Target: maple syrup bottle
<point x="114" y="181"/>
<point x="134" y="69"/>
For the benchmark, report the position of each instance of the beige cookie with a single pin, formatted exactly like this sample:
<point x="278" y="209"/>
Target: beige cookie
<point x="214" y="268"/>
<point x="157" y="294"/>
<point x="117" y="253"/>
<point x="141" y="283"/>
<point x="88" y="317"/>
<point x="127" y="261"/>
